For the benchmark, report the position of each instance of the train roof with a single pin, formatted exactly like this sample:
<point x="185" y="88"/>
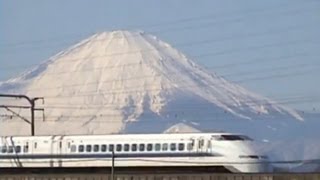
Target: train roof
<point x="150" y="135"/>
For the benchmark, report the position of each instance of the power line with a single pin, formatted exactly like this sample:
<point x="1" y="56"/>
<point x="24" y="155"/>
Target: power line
<point x="176" y="85"/>
<point x="174" y="22"/>
<point x="265" y="101"/>
<point x="253" y="61"/>
<point x="283" y="30"/>
<point x="183" y="110"/>
<point x="184" y="44"/>
<point x="232" y="20"/>
<point x="219" y="53"/>
<point x="260" y="60"/>
<point x="284" y="75"/>
<point x="234" y="36"/>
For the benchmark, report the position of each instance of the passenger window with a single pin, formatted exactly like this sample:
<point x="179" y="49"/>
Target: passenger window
<point x="10" y="149"/>
<point x="181" y="147"/>
<point x="134" y="147"/>
<point x="73" y="148"/>
<point x="111" y="147"/>
<point x="173" y="147"/>
<point x="119" y="147"/>
<point x="158" y="147"/>
<point x="96" y="148"/>
<point x="35" y="145"/>
<point x="26" y="149"/>
<point x="165" y="147"/>
<point x="126" y="147"/>
<point x="141" y="147"/>
<point x="88" y="148"/>
<point x="201" y="143"/>
<point x="81" y="148"/>
<point x="189" y="146"/>
<point x="149" y="147"/>
<point x="103" y="148"/>
<point x="18" y="149"/>
<point x="4" y="149"/>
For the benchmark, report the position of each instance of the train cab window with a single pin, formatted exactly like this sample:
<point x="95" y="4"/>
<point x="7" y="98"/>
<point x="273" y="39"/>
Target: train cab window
<point x="18" y="149"/>
<point x="73" y="148"/>
<point x="126" y="147"/>
<point x="10" y="149"/>
<point x="189" y="146"/>
<point x="3" y="149"/>
<point x="134" y="147"/>
<point x="111" y="148"/>
<point x="81" y="148"/>
<point x="173" y="147"/>
<point x="119" y="147"/>
<point x="103" y="148"/>
<point x="157" y="147"/>
<point x="96" y="148"/>
<point x="149" y="147"/>
<point x="88" y="148"/>
<point x="232" y="138"/>
<point x="180" y="146"/>
<point x="141" y="147"/>
<point x="165" y="147"/>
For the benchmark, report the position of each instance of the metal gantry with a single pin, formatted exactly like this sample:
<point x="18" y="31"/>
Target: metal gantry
<point x="31" y="101"/>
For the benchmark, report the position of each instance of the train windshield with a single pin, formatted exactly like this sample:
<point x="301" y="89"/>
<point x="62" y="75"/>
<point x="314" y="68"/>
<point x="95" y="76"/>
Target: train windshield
<point x="232" y="138"/>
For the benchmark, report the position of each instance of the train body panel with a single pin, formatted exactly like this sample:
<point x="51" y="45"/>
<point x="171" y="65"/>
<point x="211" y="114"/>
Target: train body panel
<point x="133" y="150"/>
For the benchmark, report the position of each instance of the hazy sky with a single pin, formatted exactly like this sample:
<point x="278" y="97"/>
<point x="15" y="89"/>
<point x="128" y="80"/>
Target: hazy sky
<point x="271" y="47"/>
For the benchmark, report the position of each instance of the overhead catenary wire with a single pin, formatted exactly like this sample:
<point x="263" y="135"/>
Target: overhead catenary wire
<point x="183" y="44"/>
<point x="272" y="31"/>
<point x="124" y="92"/>
<point x="219" y="53"/>
<point x="179" y="21"/>
<point x="254" y="61"/>
<point x="281" y="101"/>
<point x="264" y="101"/>
<point x="177" y="111"/>
<point x="185" y="85"/>
<point x="251" y="79"/>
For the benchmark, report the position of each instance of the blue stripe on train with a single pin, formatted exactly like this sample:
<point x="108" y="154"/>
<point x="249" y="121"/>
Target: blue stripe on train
<point x="101" y="155"/>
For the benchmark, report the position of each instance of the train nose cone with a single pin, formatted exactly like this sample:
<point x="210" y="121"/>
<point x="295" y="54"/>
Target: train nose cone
<point x="251" y="160"/>
<point x="254" y="167"/>
<point x="263" y="167"/>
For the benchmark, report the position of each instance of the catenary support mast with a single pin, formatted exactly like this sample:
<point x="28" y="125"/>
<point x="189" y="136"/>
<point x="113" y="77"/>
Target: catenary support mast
<point x="31" y="101"/>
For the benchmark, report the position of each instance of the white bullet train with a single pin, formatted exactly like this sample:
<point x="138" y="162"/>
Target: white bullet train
<point x="230" y="151"/>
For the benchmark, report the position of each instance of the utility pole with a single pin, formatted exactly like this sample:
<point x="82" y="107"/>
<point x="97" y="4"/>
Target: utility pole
<point x="112" y="166"/>
<point x="31" y="101"/>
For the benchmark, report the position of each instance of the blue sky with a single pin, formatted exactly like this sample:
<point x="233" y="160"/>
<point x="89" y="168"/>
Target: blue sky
<point x="270" y="47"/>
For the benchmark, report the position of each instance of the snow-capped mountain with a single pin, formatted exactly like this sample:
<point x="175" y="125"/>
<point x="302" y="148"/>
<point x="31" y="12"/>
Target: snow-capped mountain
<point x="124" y="81"/>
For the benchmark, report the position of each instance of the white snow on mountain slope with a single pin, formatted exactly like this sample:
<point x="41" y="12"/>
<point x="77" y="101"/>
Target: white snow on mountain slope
<point x="114" y="78"/>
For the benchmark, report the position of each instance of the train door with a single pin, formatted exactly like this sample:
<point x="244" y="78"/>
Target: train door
<point x="198" y="144"/>
<point x="206" y="146"/>
<point x="61" y="145"/>
<point x="202" y="145"/>
<point x="58" y="150"/>
<point x="33" y="147"/>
